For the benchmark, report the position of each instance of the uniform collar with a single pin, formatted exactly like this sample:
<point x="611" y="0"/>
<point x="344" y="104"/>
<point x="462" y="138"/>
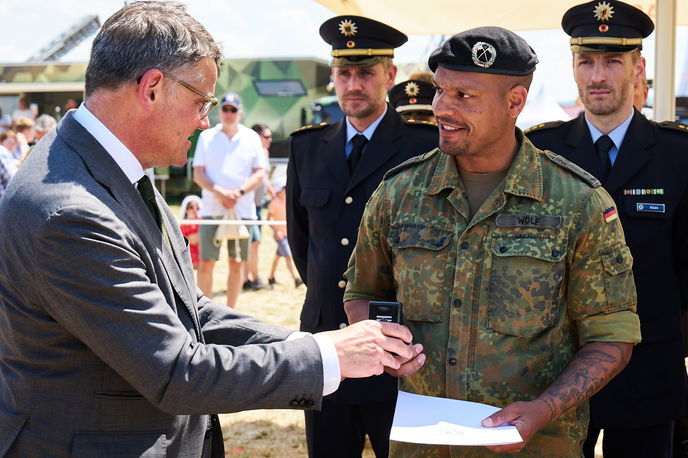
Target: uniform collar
<point x="524" y="177"/>
<point x="368" y="133"/>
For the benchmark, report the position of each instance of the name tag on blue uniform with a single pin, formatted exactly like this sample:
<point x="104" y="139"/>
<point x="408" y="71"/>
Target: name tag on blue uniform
<point x="651" y="208"/>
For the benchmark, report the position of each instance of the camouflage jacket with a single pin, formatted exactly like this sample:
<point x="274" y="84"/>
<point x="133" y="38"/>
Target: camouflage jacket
<point x="502" y="301"/>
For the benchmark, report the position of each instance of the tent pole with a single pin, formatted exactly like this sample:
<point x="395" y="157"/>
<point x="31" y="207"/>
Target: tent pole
<point x="665" y="61"/>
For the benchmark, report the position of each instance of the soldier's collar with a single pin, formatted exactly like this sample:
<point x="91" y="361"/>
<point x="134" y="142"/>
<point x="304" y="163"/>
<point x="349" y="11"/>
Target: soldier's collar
<point x="524" y="177"/>
<point x="446" y="175"/>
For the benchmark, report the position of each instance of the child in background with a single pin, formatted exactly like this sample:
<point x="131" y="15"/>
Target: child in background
<point x="190" y="209"/>
<point x="277" y="211"/>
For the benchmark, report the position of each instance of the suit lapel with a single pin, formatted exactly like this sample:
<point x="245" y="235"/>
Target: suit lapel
<point x="333" y="152"/>
<point x="634" y="153"/>
<point x="380" y="149"/>
<point x="106" y="171"/>
<point x="583" y="151"/>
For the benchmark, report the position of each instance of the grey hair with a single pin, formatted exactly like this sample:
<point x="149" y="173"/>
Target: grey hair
<point x="144" y="35"/>
<point x="44" y="123"/>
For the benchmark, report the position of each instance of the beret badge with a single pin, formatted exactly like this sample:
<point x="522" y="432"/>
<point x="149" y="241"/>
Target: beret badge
<point x="483" y="54"/>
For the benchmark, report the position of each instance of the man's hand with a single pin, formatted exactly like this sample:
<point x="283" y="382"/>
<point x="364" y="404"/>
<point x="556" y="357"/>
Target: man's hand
<point x="366" y="348"/>
<point x="227" y="197"/>
<point x="528" y="418"/>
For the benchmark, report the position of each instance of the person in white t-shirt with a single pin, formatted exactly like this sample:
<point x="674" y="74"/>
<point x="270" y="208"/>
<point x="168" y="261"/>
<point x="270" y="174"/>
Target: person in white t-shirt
<point x="228" y="166"/>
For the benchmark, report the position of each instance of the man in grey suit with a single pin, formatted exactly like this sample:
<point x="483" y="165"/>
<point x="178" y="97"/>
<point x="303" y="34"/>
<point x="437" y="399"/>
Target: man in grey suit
<point x="107" y="348"/>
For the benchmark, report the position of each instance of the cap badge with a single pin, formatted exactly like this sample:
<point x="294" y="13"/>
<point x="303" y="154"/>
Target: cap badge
<point x="603" y="11"/>
<point x="483" y="54"/>
<point x="348" y="28"/>
<point x="411" y="89"/>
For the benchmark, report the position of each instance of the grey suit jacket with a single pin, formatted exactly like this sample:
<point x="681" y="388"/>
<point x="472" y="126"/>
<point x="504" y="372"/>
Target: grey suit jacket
<point x="106" y="346"/>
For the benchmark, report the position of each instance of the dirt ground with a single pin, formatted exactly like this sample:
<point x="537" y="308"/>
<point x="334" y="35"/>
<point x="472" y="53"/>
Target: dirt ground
<point x="269" y="433"/>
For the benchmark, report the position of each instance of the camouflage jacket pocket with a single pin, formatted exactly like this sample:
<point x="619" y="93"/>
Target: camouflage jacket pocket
<point x="525" y="283"/>
<point x="619" y="286"/>
<point x="420" y="263"/>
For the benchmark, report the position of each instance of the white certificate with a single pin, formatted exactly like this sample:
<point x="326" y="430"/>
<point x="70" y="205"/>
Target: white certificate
<point x="430" y="420"/>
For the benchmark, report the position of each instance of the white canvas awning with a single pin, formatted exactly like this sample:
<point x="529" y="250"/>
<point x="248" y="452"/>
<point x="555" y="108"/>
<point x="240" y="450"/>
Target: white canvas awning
<point x="447" y="17"/>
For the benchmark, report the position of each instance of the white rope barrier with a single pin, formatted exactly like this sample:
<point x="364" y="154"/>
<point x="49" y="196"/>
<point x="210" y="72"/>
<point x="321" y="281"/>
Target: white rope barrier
<point x="189" y="222"/>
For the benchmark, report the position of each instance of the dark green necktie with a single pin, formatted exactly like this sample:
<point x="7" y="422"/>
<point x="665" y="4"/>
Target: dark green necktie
<point x="148" y="195"/>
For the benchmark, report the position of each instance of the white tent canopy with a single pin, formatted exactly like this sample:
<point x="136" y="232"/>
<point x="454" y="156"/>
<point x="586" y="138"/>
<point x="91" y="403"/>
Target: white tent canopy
<point x="447" y="17"/>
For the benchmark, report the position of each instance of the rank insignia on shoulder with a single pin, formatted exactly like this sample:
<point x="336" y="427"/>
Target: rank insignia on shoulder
<point x="610" y="214"/>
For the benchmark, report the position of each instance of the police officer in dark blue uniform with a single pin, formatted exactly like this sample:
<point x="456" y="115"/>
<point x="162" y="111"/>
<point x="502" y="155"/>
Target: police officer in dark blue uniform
<point x="413" y="100"/>
<point x="643" y="165"/>
<point x="333" y="169"/>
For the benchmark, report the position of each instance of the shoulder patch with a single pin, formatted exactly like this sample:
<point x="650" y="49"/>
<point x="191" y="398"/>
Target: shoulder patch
<point x="419" y="122"/>
<point x="410" y="163"/>
<point x="310" y="127"/>
<point x="543" y="126"/>
<point x="573" y="168"/>
<point x="673" y="126"/>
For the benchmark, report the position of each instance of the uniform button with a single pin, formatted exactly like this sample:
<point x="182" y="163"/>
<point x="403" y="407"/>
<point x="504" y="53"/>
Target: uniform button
<point x="342" y="325"/>
<point x="457" y="303"/>
<point x="439" y="243"/>
<point x="345" y="241"/>
<point x="303" y="403"/>
<point x="502" y="249"/>
<point x="341" y="284"/>
<point x="293" y="403"/>
<point x="619" y="259"/>
<point x="464" y="245"/>
<point x="555" y="253"/>
<point x="452" y="361"/>
<point x="348" y="200"/>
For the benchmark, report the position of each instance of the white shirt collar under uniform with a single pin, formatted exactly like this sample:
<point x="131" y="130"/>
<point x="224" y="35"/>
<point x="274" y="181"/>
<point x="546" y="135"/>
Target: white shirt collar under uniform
<point x="124" y="158"/>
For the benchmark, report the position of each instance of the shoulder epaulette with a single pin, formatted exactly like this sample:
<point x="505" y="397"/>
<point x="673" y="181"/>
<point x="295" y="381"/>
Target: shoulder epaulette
<point x="573" y="168"/>
<point x="673" y="126"/>
<point x="543" y="126"/>
<point x="410" y="162"/>
<point x="420" y="122"/>
<point x="310" y="127"/>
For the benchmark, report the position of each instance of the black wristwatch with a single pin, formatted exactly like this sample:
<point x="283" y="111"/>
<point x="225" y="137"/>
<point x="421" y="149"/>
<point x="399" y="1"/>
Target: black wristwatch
<point x="241" y="191"/>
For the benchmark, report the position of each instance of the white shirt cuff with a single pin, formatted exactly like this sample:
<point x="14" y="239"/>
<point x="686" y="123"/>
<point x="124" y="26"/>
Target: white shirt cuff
<point x="331" y="373"/>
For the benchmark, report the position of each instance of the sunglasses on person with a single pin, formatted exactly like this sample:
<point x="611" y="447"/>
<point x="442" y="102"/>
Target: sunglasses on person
<point x="267" y="135"/>
<point x="229" y="109"/>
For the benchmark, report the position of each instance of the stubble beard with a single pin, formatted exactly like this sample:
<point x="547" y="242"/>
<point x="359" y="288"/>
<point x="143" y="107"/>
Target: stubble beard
<point x="605" y="107"/>
<point x="360" y="110"/>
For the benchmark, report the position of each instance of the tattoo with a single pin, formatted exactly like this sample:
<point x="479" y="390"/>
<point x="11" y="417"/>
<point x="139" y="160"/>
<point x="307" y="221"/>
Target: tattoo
<point x="592" y="367"/>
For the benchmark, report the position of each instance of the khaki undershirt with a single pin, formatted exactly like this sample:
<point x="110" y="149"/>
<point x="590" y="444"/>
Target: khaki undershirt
<point x="479" y="185"/>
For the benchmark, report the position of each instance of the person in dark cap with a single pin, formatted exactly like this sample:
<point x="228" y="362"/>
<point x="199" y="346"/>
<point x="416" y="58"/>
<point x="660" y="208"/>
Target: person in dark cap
<point x="643" y="165"/>
<point x="413" y="100"/>
<point x="333" y="169"/>
<point x="509" y="261"/>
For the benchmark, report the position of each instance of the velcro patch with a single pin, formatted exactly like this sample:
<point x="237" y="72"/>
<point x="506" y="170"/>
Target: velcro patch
<point x="610" y="214"/>
<point x="543" y="221"/>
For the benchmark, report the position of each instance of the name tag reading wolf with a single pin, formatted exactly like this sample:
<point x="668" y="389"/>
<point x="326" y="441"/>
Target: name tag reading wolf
<point x="389" y="312"/>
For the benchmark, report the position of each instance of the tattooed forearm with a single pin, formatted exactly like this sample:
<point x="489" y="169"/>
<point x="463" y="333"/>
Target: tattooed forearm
<point x="590" y="369"/>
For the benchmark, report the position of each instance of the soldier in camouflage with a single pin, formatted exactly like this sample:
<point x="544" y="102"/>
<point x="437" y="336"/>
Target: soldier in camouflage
<point x="510" y="262"/>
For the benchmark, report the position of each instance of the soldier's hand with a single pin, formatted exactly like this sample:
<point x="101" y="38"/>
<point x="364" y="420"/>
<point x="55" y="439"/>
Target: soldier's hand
<point x="366" y="348"/>
<point x="528" y="418"/>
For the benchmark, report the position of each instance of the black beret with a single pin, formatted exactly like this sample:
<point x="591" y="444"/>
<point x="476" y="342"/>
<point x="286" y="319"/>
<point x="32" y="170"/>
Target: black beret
<point x="358" y="40"/>
<point x="412" y="95"/>
<point x="606" y="26"/>
<point x="485" y="50"/>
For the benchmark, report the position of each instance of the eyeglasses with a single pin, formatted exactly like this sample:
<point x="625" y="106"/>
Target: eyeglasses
<point x="267" y="136"/>
<point x="228" y="109"/>
<point x="210" y="102"/>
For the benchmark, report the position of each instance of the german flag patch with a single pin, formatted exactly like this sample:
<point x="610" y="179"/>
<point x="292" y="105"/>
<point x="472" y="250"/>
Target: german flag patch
<point x="610" y="214"/>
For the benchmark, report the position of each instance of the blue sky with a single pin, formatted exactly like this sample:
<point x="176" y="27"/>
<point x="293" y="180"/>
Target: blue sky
<point x="266" y="28"/>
